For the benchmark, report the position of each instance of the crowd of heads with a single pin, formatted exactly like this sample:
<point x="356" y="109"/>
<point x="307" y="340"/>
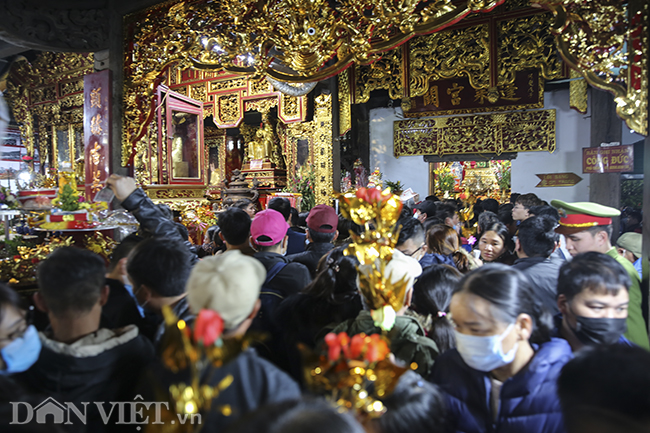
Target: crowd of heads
<point x="516" y="296"/>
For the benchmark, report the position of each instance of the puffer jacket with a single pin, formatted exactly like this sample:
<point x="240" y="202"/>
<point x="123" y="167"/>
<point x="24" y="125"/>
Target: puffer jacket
<point x="528" y="400"/>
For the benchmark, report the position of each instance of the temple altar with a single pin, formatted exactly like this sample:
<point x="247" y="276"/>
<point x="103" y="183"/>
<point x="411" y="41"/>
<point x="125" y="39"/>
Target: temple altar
<point x="247" y="125"/>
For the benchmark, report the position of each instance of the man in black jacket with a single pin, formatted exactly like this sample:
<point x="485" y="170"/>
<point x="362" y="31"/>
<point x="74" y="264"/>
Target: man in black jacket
<point x="535" y="245"/>
<point x="322" y="224"/>
<point x="269" y="238"/>
<point x="159" y="266"/>
<point x="81" y="362"/>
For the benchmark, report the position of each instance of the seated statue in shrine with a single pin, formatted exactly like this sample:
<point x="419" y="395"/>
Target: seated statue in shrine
<point x="214" y="174"/>
<point x="180" y="167"/>
<point x="262" y="147"/>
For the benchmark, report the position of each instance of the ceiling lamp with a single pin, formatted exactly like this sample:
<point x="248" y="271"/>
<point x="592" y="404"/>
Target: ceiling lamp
<point x="303" y="40"/>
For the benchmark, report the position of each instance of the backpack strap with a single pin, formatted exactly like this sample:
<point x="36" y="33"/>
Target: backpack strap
<point x="275" y="270"/>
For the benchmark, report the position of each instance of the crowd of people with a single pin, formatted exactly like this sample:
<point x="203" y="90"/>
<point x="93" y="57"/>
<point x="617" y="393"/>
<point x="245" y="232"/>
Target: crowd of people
<point x="535" y="324"/>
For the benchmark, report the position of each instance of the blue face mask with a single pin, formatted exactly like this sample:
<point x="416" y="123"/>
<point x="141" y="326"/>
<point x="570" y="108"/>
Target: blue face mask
<point x="129" y="288"/>
<point x="21" y="353"/>
<point x="485" y="353"/>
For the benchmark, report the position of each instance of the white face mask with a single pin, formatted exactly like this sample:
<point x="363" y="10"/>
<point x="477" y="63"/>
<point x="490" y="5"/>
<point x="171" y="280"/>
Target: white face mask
<point x="485" y="353"/>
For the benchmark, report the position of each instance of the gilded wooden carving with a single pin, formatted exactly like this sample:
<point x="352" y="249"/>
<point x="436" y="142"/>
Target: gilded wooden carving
<point x="578" y="92"/>
<point x="225" y="96"/>
<point x="318" y="133"/>
<point x="492" y="133"/>
<point x="450" y="54"/>
<point x="291" y="107"/>
<point x="608" y="44"/>
<point x="266" y="38"/>
<point x="198" y="92"/>
<point x="227" y="84"/>
<point x="169" y="192"/>
<point x="527" y="43"/>
<point x="42" y="88"/>
<point x="261" y="105"/>
<point x="345" y="100"/>
<point x="229" y="109"/>
<point x="259" y="87"/>
<point x="489" y="58"/>
<point x="386" y="73"/>
<point x="145" y="161"/>
<point x="323" y="149"/>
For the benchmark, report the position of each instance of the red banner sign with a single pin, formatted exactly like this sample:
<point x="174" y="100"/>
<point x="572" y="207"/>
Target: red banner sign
<point x="97" y="100"/>
<point x="557" y="179"/>
<point x="615" y="159"/>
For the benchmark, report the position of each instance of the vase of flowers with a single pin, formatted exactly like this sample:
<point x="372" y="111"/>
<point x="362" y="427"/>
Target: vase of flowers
<point x="303" y="183"/>
<point x="502" y="171"/>
<point x="445" y="181"/>
<point x="7" y="199"/>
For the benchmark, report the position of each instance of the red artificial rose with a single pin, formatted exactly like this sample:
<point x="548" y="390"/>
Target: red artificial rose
<point x="344" y="339"/>
<point x="331" y="338"/>
<point x="377" y="349"/>
<point x="372" y="354"/>
<point x="208" y="327"/>
<point x="356" y="346"/>
<point x="370" y="195"/>
<point x="374" y="195"/>
<point x="334" y="348"/>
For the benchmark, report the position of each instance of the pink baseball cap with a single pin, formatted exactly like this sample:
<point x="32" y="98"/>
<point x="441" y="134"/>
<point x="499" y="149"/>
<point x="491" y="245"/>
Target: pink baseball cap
<point x="269" y="223"/>
<point x="323" y="219"/>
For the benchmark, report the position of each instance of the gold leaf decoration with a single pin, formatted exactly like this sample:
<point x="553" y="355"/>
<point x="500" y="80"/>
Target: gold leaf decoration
<point x="492" y="133"/>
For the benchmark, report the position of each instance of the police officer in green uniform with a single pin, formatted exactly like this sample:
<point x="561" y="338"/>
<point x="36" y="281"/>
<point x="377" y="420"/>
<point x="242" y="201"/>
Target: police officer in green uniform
<point x="588" y="227"/>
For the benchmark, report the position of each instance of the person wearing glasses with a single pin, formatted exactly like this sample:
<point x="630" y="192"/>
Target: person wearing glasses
<point x="521" y="209"/>
<point x="20" y="345"/>
<point x="411" y="240"/>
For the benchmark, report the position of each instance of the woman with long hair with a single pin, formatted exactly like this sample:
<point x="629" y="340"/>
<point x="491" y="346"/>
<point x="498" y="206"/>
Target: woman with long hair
<point x="430" y="303"/>
<point x="443" y="243"/>
<point x="502" y="375"/>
